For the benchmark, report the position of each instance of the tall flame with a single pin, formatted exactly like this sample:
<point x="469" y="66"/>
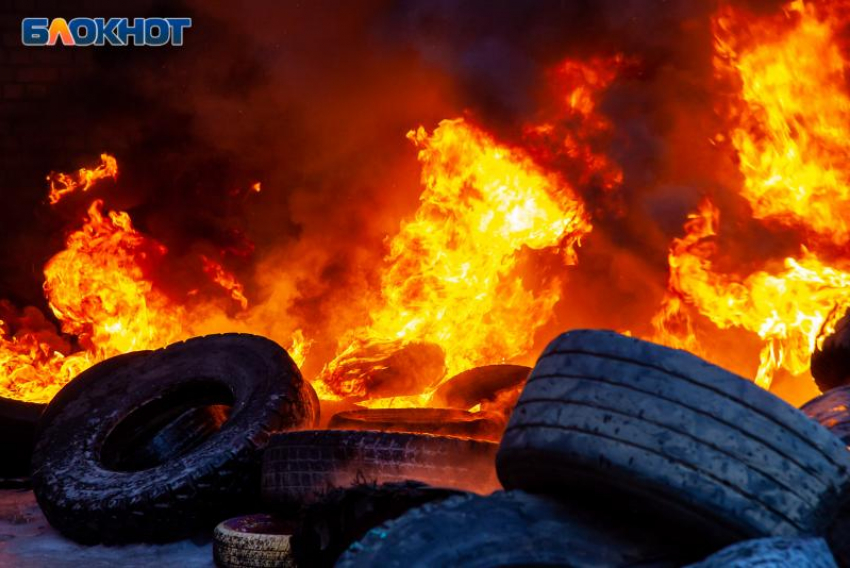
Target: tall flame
<point x="791" y="118"/>
<point x="790" y="129"/>
<point x="449" y="279"/>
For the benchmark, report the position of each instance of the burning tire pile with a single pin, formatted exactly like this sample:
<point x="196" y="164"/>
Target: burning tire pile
<point x="618" y="452"/>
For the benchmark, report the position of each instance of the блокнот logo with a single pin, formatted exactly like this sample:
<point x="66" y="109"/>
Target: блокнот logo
<point x="104" y="31"/>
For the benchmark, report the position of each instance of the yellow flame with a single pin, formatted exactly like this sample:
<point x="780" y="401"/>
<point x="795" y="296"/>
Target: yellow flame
<point x="791" y="120"/>
<point x="449" y="279"/>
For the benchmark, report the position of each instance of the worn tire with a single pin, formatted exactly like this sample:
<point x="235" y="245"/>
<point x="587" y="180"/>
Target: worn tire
<point x="178" y="437"/>
<point x="18" y="421"/>
<point x="767" y="552"/>
<point x="299" y="467"/>
<point x="90" y="495"/>
<point x="436" y="421"/>
<point x="832" y="411"/>
<point x="253" y="541"/>
<point x="478" y="385"/>
<point x="511" y="529"/>
<point x="831" y="361"/>
<point x="329" y="526"/>
<point x="612" y="414"/>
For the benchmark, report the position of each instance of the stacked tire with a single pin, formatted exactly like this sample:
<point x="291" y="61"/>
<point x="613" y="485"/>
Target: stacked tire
<point x="663" y="428"/>
<point x="615" y="441"/>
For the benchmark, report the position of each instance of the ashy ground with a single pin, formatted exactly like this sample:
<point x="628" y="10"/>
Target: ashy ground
<point x="28" y="541"/>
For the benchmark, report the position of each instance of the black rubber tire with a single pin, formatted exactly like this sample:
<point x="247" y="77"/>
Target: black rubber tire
<point x="179" y="437"/>
<point x="18" y="422"/>
<point x="511" y="529"/>
<point x="832" y="411"/>
<point x="343" y="516"/>
<point x="90" y="502"/>
<point x="831" y="363"/>
<point x="253" y="541"/>
<point x="436" y="421"/>
<point x="478" y="385"/>
<point x="767" y="552"/>
<point x="613" y="414"/>
<point x="300" y="467"/>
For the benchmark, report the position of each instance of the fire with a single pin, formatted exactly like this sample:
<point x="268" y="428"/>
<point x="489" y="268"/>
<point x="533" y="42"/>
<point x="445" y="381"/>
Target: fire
<point x="786" y="307"/>
<point x="98" y="288"/>
<point x="791" y="118"/>
<point x="63" y="184"/>
<point x="226" y="280"/>
<point x="299" y="347"/>
<point x="101" y="292"/>
<point x="449" y="277"/>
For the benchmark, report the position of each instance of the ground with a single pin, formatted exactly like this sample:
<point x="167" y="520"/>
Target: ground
<point x="27" y="540"/>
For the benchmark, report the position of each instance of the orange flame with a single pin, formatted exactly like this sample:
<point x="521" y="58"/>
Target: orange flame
<point x="790" y="126"/>
<point x="449" y="279"/>
<point x="787" y="308"/>
<point x="226" y="280"/>
<point x="791" y="118"/>
<point x="63" y="184"/>
<point x="98" y="290"/>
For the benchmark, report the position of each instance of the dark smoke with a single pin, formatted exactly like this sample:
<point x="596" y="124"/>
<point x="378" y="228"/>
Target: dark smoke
<point x="314" y="99"/>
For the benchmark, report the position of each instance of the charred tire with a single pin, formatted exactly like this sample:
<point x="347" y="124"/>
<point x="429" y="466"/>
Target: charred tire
<point x="299" y="467"/>
<point x="253" y="541"/>
<point x="831" y="361"/>
<point x="509" y="529"/>
<point x="796" y="552"/>
<point x="89" y="491"/>
<point x="832" y="411"/>
<point x="178" y="437"/>
<point x="478" y="385"/>
<point x="18" y="421"/>
<point x="343" y="516"/>
<point x="666" y="428"/>
<point x="437" y="421"/>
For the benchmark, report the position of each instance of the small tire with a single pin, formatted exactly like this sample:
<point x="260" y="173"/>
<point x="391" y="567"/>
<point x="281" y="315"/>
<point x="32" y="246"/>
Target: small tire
<point x="436" y="421"/>
<point x="253" y="541"/>
<point x="608" y="413"/>
<point x="511" y="529"/>
<point x="478" y="385"/>
<point x="766" y="552"/>
<point x="91" y="494"/>
<point x="329" y="526"/>
<point x="300" y="467"/>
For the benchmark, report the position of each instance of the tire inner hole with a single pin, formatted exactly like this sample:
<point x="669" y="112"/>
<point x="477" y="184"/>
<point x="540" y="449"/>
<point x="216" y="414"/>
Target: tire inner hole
<point x="168" y="427"/>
